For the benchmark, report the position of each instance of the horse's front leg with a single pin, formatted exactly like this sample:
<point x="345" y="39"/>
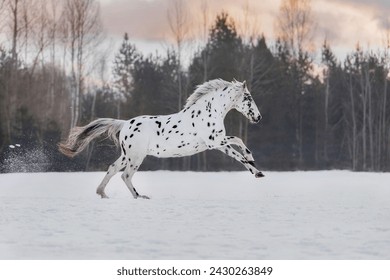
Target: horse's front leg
<point x="233" y="140"/>
<point x="239" y="157"/>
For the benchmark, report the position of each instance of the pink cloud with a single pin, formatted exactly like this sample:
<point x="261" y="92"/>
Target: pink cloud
<point x="147" y="19"/>
<point x="141" y="19"/>
<point x="344" y="23"/>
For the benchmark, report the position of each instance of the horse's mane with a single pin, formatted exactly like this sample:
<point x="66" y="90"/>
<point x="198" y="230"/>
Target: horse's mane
<point x="206" y="88"/>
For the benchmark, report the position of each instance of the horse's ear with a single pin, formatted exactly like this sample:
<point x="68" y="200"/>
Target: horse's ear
<point x="234" y="80"/>
<point x="244" y="84"/>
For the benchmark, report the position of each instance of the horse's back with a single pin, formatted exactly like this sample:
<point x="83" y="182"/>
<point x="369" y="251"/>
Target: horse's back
<point x="171" y="135"/>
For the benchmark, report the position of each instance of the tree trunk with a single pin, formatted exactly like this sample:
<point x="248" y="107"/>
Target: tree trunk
<point x="364" y="127"/>
<point x="383" y="137"/>
<point x="354" y="126"/>
<point x="370" y="120"/>
<point x="326" y="121"/>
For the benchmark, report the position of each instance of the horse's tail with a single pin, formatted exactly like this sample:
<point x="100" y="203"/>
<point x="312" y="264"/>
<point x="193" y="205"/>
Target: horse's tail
<point x="79" y="137"/>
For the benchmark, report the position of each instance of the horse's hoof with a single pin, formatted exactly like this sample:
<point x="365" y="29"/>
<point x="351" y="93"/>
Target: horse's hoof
<point x="144" y="197"/>
<point x="259" y="174"/>
<point x="102" y="195"/>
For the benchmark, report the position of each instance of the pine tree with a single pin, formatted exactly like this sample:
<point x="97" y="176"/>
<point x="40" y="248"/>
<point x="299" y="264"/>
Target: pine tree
<point x="123" y="72"/>
<point x="225" y="49"/>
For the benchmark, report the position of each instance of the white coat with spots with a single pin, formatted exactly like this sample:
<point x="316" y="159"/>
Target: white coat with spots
<point x="196" y="128"/>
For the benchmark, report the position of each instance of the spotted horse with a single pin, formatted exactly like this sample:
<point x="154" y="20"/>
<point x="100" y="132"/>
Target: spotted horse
<point x="196" y="128"/>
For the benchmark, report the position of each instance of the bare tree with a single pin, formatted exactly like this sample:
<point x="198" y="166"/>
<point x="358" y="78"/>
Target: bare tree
<point x="249" y="29"/>
<point x="178" y="19"/>
<point x="40" y="34"/>
<point x="384" y="131"/>
<point x="329" y="63"/>
<point x="25" y="21"/>
<point x="295" y="26"/>
<point x="363" y="76"/>
<point x="54" y="10"/>
<point x="204" y="29"/>
<point x="202" y="157"/>
<point x="83" y="29"/>
<point x="12" y="28"/>
<point x="14" y="12"/>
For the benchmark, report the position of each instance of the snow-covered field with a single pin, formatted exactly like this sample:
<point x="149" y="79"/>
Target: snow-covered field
<point x="286" y="215"/>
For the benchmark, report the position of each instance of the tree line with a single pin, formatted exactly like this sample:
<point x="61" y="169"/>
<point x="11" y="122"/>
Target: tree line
<point x="316" y="115"/>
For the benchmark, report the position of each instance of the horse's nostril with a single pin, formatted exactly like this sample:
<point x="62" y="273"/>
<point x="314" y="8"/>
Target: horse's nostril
<point x="256" y="119"/>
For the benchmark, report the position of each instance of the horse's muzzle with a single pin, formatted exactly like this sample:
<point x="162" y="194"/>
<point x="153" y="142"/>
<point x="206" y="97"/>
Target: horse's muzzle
<point x="257" y="120"/>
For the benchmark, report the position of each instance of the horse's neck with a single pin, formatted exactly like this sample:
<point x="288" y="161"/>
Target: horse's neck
<point x="220" y="101"/>
<point x="223" y="103"/>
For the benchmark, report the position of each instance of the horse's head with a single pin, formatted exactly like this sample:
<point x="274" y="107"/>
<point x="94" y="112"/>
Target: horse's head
<point x="245" y="104"/>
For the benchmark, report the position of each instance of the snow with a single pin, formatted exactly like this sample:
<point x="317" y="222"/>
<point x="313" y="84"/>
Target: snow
<point x="225" y="215"/>
<point x="14" y="146"/>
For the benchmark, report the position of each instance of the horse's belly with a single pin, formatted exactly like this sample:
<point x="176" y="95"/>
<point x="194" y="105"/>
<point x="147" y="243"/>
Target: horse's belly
<point x="178" y="149"/>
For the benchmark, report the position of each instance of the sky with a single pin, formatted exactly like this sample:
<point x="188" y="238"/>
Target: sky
<point x="344" y="23"/>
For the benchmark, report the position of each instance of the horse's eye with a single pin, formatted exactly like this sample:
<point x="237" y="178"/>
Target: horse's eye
<point x="247" y="97"/>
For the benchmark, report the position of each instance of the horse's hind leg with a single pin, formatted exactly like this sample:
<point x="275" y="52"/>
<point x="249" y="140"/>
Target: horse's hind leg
<point x="127" y="175"/>
<point x="112" y="170"/>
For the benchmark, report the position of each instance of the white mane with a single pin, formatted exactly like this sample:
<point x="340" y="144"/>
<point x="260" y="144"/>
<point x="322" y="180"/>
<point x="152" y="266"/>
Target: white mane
<point x="206" y="88"/>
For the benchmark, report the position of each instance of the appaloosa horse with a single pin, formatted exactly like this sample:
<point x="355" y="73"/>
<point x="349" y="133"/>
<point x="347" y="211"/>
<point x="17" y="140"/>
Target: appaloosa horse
<point x="196" y="128"/>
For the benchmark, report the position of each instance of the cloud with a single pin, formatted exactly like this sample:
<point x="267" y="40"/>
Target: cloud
<point x="377" y="4"/>
<point x="141" y="19"/>
<point x="342" y="22"/>
<point x="345" y="22"/>
<point x="147" y="19"/>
